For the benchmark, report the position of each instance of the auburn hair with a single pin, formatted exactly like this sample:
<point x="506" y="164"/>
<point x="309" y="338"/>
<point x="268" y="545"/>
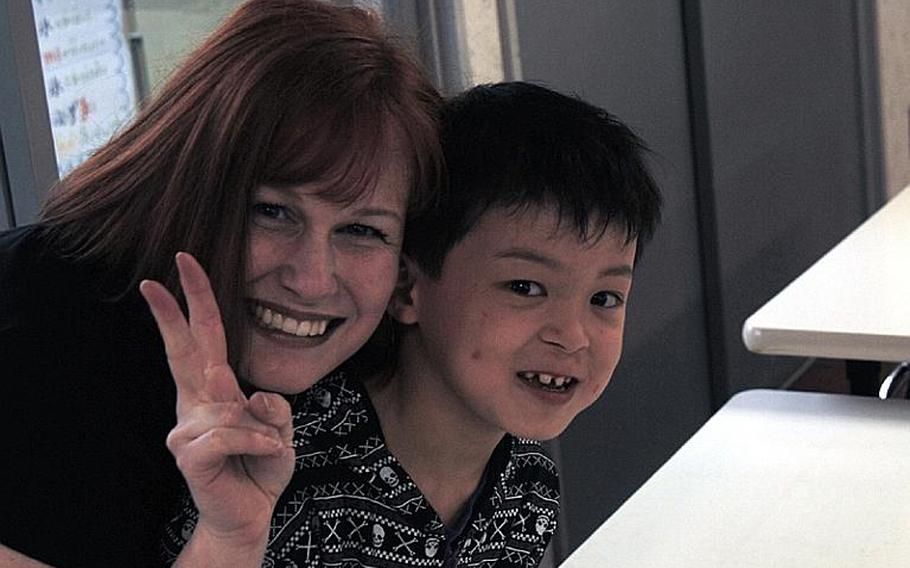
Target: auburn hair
<point x="283" y="92"/>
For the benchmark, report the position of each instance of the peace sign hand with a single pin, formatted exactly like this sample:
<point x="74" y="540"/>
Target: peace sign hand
<point x="235" y="453"/>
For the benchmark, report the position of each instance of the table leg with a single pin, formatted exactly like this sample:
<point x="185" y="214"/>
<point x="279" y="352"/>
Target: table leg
<point x="895" y="381"/>
<point x="863" y="376"/>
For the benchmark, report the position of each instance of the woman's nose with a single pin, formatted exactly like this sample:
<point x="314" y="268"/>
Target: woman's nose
<point x="308" y="269"/>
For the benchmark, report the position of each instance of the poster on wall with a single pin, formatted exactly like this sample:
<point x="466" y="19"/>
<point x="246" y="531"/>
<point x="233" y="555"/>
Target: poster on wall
<point x="88" y="74"/>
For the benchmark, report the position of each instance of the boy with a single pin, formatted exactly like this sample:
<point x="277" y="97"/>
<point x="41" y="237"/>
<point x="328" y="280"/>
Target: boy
<point x="510" y="312"/>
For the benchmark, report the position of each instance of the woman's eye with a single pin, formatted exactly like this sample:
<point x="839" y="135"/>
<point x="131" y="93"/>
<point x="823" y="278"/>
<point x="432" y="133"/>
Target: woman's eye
<point x="270" y="212"/>
<point x="358" y="230"/>
<point x="606" y="299"/>
<point x="526" y="288"/>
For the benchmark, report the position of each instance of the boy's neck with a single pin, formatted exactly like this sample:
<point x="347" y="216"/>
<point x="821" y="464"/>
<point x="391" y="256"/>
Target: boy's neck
<point x="441" y="452"/>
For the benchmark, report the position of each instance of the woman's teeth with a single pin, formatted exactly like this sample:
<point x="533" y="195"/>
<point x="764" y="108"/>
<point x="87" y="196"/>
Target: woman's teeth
<point x="306" y="328"/>
<point x="553" y="382"/>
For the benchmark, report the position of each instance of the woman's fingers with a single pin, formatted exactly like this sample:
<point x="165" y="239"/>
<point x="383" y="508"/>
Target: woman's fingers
<point x="196" y="350"/>
<point x="205" y="454"/>
<point x="207" y="330"/>
<point x="179" y="344"/>
<point x="201" y="418"/>
<point x="273" y="409"/>
<point x="210" y="433"/>
<point x="205" y="318"/>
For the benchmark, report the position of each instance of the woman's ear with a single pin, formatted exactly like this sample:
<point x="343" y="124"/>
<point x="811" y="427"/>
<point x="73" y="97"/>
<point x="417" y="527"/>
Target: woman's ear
<point x="403" y="305"/>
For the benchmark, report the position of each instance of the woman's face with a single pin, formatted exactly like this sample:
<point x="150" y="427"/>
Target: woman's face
<point x="319" y="277"/>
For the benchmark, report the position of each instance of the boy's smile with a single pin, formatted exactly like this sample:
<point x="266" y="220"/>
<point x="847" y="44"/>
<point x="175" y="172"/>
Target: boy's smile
<point x="523" y="328"/>
<point x="548" y="381"/>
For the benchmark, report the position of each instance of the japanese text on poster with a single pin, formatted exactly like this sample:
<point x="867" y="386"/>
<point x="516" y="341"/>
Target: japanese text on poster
<point x="88" y="74"/>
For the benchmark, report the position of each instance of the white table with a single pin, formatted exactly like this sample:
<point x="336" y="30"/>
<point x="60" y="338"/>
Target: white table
<point x="854" y="303"/>
<point x="775" y="479"/>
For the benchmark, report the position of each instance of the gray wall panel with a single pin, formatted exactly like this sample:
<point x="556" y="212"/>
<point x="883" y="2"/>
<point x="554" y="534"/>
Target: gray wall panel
<point x="608" y="53"/>
<point x="783" y="98"/>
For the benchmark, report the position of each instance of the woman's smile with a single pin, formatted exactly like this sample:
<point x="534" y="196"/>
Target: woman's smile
<point x="276" y="319"/>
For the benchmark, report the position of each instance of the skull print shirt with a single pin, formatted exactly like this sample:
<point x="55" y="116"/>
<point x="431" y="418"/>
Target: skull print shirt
<point x="351" y="504"/>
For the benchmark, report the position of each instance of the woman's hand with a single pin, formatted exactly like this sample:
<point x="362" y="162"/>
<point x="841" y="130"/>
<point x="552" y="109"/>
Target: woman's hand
<point x="235" y="453"/>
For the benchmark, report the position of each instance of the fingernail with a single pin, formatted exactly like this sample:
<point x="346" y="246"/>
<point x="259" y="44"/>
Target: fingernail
<point x="267" y="401"/>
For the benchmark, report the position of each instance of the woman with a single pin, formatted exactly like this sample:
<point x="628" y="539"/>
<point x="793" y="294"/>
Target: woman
<point x="285" y="155"/>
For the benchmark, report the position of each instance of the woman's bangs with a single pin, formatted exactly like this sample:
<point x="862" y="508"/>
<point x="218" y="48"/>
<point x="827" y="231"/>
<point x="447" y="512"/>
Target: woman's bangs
<point x="345" y="152"/>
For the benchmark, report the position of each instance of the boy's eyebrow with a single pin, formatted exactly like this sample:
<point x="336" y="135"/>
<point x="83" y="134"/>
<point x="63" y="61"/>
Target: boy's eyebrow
<point x="554" y="264"/>
<point x="620" y="270"/>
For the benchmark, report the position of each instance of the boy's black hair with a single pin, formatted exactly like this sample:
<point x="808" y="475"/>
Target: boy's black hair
<point x="519" y="145"/>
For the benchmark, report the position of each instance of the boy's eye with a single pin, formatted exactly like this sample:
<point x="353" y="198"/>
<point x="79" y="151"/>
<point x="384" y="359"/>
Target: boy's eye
<point x="358" y="230"/>
<point x="525" y="288"/>
<point x="606" y="299"/>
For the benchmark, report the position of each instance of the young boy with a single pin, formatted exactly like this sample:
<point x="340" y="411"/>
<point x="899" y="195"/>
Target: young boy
<point x="510" y="312"/>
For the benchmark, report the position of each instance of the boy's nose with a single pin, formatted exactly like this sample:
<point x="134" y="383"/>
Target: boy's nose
<point x="308" y="270"/>
<point x="565" y="330"/>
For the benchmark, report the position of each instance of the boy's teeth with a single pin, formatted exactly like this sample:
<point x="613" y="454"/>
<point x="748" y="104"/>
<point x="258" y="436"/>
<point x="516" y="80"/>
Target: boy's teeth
<point x="544" y="379"/>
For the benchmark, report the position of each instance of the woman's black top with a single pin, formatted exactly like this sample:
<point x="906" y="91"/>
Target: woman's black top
<point x="88" y="401"/>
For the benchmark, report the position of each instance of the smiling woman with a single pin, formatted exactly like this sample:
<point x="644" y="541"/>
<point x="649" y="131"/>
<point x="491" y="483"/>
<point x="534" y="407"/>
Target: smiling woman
<point x="319" y="277"/>
<point x="285" y="156"/>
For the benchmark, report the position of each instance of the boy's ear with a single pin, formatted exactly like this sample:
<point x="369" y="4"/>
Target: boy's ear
<point x="403" y="305"/>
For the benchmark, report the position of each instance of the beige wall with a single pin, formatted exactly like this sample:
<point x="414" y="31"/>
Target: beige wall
<point x="170" y="29"/>
<point x="894" y="58"/>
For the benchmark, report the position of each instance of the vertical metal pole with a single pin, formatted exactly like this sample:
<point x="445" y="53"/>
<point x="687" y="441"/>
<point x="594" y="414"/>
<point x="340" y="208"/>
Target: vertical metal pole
<point x="7" y="215"/>
<point x="696" y="81"/>
<point x="28" y="148"/>
<point x="508" y="33"/>
<point x="868" y="94"/>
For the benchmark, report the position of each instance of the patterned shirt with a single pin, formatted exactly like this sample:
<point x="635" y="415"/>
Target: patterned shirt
<point x="351" y="504"/>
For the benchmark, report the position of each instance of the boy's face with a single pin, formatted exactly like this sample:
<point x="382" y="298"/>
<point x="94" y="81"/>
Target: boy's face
<point x="523" y="329"/>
